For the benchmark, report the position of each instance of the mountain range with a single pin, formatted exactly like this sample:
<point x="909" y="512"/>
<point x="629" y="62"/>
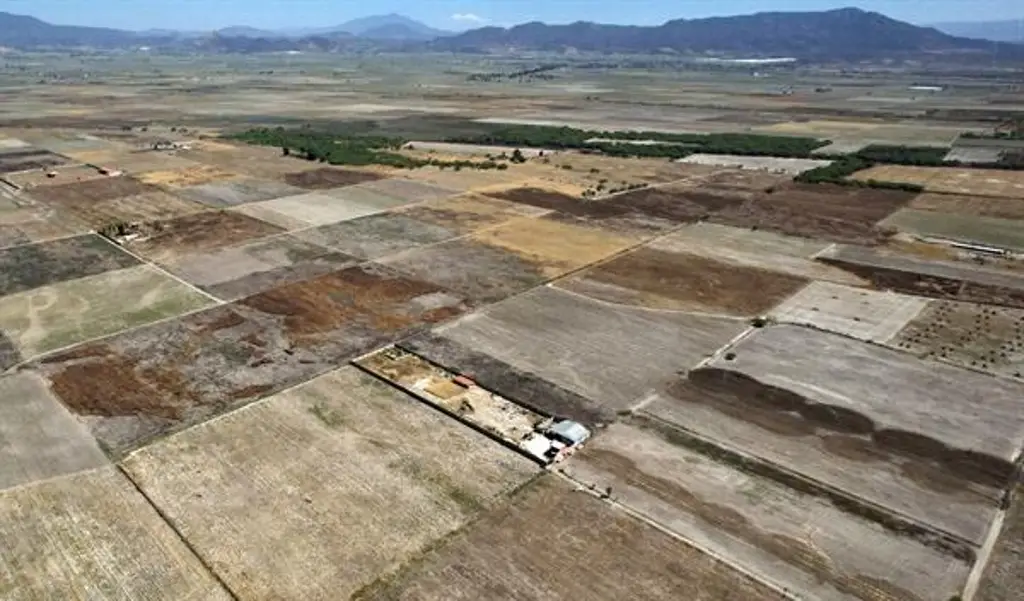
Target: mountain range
<point x="1011" y="30"/>
<point x="843" y="34"/>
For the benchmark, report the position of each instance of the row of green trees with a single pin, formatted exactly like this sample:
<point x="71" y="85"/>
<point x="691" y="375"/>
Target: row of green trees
<point x="335" y="149"/>
<point x="841" y="169"/>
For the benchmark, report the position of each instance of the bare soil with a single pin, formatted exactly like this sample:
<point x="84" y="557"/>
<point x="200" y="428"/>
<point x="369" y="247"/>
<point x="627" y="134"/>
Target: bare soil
<point x="375" y="236"/>
<point x="665" y="280"/>
<point x="827" y="212"/>
<point x="679" y="204"/>
<point x="25" y="160"/>
<point x="328" y="177"/>
<point x="96" y="190"/>
<point x="562" y="203"/>
<point x="573" y="546"/>
<point x="1003" y="579"/>
<point x="982" y="206"/>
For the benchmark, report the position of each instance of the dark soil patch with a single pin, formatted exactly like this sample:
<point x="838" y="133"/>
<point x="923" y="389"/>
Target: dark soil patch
<point x="198" y="233"/>
<point x="546" y="199"/>
<point x="512" y="383"/>
<point x="932" y="286"/>
<point x="696" y="283"/>
<point x="676" y="205"/>
<point x="377" y="236"/>
<point x="26" y="160"/>
<point x="9" y="354"/>
<point x="36" y="265"/>
<point x="95" y="190"/>
<point x="479" y="272"/>
<point x="328" y="177"/>
<point x="820" y="211"/>
<point x="369" y="296"/>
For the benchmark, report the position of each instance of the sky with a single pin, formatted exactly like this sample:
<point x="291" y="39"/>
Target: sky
<point x="205" y="15"/>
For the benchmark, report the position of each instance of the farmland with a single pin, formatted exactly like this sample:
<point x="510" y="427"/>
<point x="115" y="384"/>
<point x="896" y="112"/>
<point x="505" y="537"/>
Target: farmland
<point x="303" y="368"/>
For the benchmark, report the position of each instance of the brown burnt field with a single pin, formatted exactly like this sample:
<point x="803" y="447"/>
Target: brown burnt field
<point x="824" y="212"/>
<point x="660" y="279"/>
<point x="144" y="382"/>
<point x="198" y="232"/>
<point x="328" y="177"/>
<point x="97" y="190"/>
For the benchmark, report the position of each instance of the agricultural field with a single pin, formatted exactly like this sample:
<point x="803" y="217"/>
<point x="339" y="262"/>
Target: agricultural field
<point x="401" y="477"/>
<point x="246" y="372"/>
<point x="100" y="534"/>
<point x="572" y="341"/>
<point x="1002" y="577"/>
<point x="1004" y="234"/>
<point x="800" y="542"/>
<point x="854" y="312"/>
<point x="977" y="336"/>
<point x="543" y="533"/>
<point x="952" y="180"/>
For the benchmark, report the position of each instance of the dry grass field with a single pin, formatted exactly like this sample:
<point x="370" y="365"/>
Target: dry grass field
<point x="980" y="206"/>
<point x="953" y="180"/>
<point x="469" y="212"/>
<point x="36" y="265"/>
<point x="376" y="236"/>
<point x="183" y="178"/>
<point x="573" y="341"/>
<point x="544" y="534"/>
<point x="401" y="477"/>
<point x="142" y="208"/>
<point x="198" y="232"/>
<point x="93" y="536"/>
<point x="54" y="177"/>
<point x="95" y="190"/>
<point x="989" y="231"/>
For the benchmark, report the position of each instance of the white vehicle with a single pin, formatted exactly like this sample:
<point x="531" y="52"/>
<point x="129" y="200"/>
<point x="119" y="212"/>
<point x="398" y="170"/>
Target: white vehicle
<point x="555" y="440"/>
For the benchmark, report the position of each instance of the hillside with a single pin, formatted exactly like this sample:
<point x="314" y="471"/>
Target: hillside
<point x="19" y="31"/>
<point x="838" y="34"/>
<point x="1011" y="30"/>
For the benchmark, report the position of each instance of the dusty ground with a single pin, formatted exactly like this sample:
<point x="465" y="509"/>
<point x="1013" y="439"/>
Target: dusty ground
<point x="989" y="231"/>
<point x="100" y="534"/>
<point x="151" y="206"/>
<point x="469" y="212"/>
<point x="855" y="312"/>
<point x="986" y="338"/>
<point x="822" y="212"/>
<point x="658" y="279"/>
<point x="1002" y="580"/>
<point x="800" y="542"/>
<point x="42" y="438"/>
<point x="981" y="206"/>
<point x="36" y="265"/>
<point x="572" y="340"/>
<point x="481" y="273"/>
<point x="250" y="268"/>
<point x="324" y="207"/>
<point x="770" y="164"/>
<point x="28" y="159"/>
<point x="182" y="178"/>
<point x="54" y="177"/>
<point x="198" y="232"/>
<point x="24" y="225"/>
<point x="402" y="477"/>
<point x="238" y="191"/>
<point x="55" y="316"/>
<point x="954" y="180"/>
<point x="544" y="533"/>
<point x="376" y="236"/>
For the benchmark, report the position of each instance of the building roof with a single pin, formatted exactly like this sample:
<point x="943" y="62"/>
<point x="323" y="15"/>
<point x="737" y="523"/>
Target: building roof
<point x="570" y="430"/>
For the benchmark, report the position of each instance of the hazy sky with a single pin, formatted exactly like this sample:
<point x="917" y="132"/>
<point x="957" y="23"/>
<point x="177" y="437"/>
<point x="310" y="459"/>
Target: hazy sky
<point x="463" y="14"/>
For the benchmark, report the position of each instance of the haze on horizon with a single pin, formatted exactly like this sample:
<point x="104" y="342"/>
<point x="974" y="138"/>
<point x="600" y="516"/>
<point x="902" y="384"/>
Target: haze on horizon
<point x="204" y="15"/>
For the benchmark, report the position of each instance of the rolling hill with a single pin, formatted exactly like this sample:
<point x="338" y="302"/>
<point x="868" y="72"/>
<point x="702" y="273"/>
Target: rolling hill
<point x="1011" y="30"/>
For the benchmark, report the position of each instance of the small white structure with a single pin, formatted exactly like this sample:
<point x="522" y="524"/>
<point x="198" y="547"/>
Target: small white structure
<point x="555" y="440"/>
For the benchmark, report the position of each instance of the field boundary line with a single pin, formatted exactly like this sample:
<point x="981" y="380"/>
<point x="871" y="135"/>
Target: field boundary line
<point x="984" y="555"/>
<point x="160" y="269"/>
<point x="635" y="514"/>
<point x="58" y="477"/>
<point x="178" y="533"/>
<point x="955" y="545"/>
<point x="555" y="286"/>
<point x="95" y="339"/>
